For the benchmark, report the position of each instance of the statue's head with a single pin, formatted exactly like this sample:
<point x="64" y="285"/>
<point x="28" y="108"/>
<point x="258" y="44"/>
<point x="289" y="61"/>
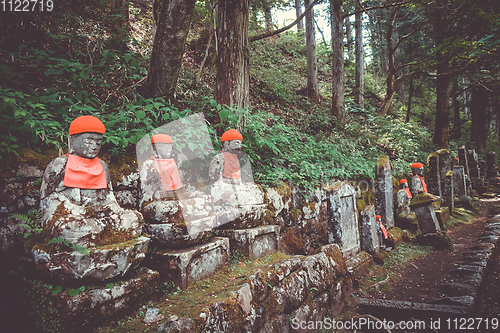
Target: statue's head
<point x="231" y="141"/>
<point x="162" y="146"/>
<point x="403" y="183"/>
<point x="417" y="169"/>
<point x="86" y="133"/>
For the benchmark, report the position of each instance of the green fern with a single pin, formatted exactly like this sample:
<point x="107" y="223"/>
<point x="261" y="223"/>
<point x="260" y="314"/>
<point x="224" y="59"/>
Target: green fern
<point x="75" y="247"/>
<point x="32" y="221"/>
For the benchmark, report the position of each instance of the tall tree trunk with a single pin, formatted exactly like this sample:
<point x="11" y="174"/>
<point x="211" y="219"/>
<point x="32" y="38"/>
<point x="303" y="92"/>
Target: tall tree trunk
<point x="457" y="126"/>
<point x="399" y="84"/>
<point x="384" y="58"/>
<point x="465" y="98"/>
<point x="348" y="35"/>
<point x="373" y="43"/>
<point x="389" y="94"/>
<point x="267" y="15"/>
<point x="232" y="62"/>
<point x="360" y="58"/>
<point x="298" y="12"/>
<point x="312" y="65"/>
<point x="410" y="96"/>
<point x="174" y="18"/>
<point x="338" y="109"/>
<point x="442" y="124"/>
<point x="480" y="117"/>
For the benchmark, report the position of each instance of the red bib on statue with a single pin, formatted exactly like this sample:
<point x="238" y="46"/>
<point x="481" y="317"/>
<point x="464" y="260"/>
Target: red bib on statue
<point x="424" y="185"/>
<point x="169" y="174"/>
<point x="231" y="166"/>
<point x="408" y="193"/>
<point x="84" y="173"/>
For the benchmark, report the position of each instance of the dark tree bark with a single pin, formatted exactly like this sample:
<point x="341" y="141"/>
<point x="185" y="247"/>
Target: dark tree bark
<point x="457" y="126"/>
<point x="174" y="18"/>
<point x="232" y="64"/>
<point x="338" y="99"/>
<point x="348" y="35"/>
<point x="399" y="83"/>
<point x="312" y="64"/>
<point x="384" y="58"/>
<point x="410" y="96"/>
<point x="360" y="58"/>
<point x="480" y="118"/>
<point x="298" y="12"/>
<point x="267" y="15"/>
<point x="389" y="94"/>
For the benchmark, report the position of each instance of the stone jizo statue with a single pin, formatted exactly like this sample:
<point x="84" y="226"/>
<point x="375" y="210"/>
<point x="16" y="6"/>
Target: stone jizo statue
<point x="77" y="203"/>
<point x="404" y="215"/>
<point x="175" y="218"/>
<point x="417" y="181"/>
<point x="77" y="200"/>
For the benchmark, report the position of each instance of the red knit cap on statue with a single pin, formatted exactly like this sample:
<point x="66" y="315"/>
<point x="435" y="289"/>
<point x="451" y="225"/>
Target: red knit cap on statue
<point x="86" y="124"/>
<point x="417" y="165"/>
<point x="231" y="134"/>
<point x="402" y="181"/>
<point x="161" y="138"/>
<point x="378" y="217"/>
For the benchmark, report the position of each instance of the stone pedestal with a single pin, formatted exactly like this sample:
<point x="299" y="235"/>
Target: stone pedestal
<point x="185" y="266"/>
<point x="371" y="233"/>
<point x="434" y="175"/>
<point x="422" y="206"/>
<point x="255" y="242"/>
<point x="384" y="205"/>
<point x="343" y="219"/>
<point x="102" y="263"/>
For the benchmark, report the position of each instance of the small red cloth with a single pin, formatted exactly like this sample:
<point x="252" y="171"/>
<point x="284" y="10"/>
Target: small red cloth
<point x="423" y="183"/>
<point x="231" y="166"/>
<point x="408" y="193"/>
<point x="384" y="231"/>
<point x="84" y="173"/>
<point x="169" y="174"/>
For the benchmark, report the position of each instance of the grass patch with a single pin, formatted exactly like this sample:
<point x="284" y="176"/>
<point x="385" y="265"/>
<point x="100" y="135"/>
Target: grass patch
<point x="405" y="253"/>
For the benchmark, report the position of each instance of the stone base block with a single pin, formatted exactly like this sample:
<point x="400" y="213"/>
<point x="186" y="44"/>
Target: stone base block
<point x="394" y="237"/>
<point x="442" y="215"/>
<point x="359" y="264"/>
<point x="35" y="308"/>
<point x="239" y="217"/>
<point x="187" y="265"/>
<point x="255" y="242"/>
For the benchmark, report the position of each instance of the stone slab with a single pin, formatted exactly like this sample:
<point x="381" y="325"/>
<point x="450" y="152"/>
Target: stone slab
<point x="187" y="265"/>
<point x="359" y="264"/>
<point x="255" y="242"/>
<point x="442" y="215"/>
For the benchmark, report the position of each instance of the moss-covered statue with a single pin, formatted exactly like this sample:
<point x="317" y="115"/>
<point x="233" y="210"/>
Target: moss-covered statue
<point x="238" y="201"/>
<point x="78" y="204"/>
<point x="175" y="218"/>
<point x="404" y="216"/>
<point x="417" y="181"/>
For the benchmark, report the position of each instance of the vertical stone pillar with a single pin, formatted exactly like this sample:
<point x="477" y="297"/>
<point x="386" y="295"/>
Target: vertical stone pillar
<point x="459" y="182"/>
<point x="370" y="240"/>
<point x="384" y="205"/>
<point x="482" y="168"/>
<point x="448" y="191"/>
<point x="462" y="159"/>
<point x="473" y="160"/>
<point x="444" y="166"/>
<point x="433" y="175"/>
<point x="491" y="163"/>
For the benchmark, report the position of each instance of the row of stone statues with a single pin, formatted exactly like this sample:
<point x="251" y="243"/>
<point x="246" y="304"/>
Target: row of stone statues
<point x="78" y="204"/>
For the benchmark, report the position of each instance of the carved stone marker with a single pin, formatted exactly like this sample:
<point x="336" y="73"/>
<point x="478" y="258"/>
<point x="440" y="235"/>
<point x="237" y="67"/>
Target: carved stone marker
<point x="448" y="192"/>
<point x="460" y="184"/>
<point x="422" y="206"/>
<point x="462" y="159"/>
<point x="434" y="179"/>
<point x="78" y="204"/>
<point x="491" y="169"/>
<point x="175" y="218"/>
<point x="370" y="232"/>
<point x="384" y="205"/>
<point x="343" y="219"/>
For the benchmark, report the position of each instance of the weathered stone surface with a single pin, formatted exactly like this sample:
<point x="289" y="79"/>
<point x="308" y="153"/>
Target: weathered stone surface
<point x="462" y="159"/>
<point x="191" y="264"/>
<point x="152" y="316"/>
<point x="280" y="199"/>
<point x="404" y="217"/>
<point x="104" y="262"/>
<point x="126" y="199"/>
<point x="394" y="237"/>
<point x="343" y="219"/>
<point x="460" y="184"/>
<point x="255" y="242"/>
<point x="239" y="217"/>
<point x="371" y="234"/>
<point x="467" y="301"/>
<point x="473" y="160"/>
<point x="29" y="171"/>
<point x="442" y="215"/>
<point x="384" y="205"/>
<point x="458" y="289"/>
<point x="359" y="264"/>
<point x="433" y="175"/>
<point x="87" y="310"/>
<point x="422" y="206"/>
<point x="448" y="191"/>
<point x="11" y="198"/>
<point x="11" y="235"/>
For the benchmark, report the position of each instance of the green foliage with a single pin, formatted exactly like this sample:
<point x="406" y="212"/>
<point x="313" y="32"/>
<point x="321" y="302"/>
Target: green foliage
<point x="61" y="243"/>
<point x="32" y="220"/>
<point x="73" y="292"/>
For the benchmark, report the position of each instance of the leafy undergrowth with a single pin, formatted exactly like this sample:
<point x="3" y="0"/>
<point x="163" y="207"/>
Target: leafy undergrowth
<point x="200" y="294"/>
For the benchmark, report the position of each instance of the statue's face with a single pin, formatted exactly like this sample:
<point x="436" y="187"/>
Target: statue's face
<point x="231" y="146"/>
<point x="404" y="185"/>
<point x="418" y="171"/>
<point x="86" y="145"/>
<point x="162" y="150"/>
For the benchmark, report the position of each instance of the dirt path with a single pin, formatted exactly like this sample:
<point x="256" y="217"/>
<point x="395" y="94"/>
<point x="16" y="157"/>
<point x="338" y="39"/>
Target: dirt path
<point x="421" y="280"/>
